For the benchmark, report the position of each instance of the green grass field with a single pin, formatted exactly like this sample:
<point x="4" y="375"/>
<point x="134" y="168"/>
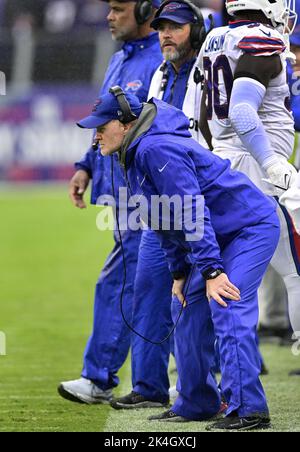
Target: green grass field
<point x="51" y="255"/>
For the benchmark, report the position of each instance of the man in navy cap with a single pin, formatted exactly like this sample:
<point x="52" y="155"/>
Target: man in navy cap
<point x="219" y="253"/>
<point x="132" y="68"/>
<point x="181" y="30"/>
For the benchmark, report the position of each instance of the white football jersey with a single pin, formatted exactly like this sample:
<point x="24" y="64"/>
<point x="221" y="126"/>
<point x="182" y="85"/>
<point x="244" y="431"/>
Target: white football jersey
<point x="218" y="59"/>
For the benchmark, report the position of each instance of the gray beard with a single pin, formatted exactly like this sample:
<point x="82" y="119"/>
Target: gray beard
<point x="119" y="37"/>
<point x="179" y="54"/>
<point x="122" y="36"/>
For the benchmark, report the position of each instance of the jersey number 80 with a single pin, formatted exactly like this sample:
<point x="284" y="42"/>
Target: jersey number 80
<point x="212" y="76"/>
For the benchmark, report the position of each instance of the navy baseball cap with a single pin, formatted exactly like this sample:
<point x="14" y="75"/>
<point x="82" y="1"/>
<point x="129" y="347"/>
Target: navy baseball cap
<point x="177" y="12"/>
<point x="155" y="3"/>
<point x="107" y="108"/>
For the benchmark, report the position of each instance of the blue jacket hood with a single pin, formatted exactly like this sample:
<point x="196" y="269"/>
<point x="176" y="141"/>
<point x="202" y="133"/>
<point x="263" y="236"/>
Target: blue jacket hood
<point x="168" y="120"/>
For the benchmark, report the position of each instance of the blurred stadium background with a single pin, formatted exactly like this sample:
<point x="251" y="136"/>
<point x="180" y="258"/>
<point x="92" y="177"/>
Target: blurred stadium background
<point x="54" y="54"/>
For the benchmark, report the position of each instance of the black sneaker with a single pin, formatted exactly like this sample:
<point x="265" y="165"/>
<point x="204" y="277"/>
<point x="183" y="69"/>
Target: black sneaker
<point x="281" y="336"/>
<point x="134" y="401"/>
<point x="287" y="340"/>
<point x="168" y="416"/>
<point x="264" y="370"/>
<point x="241" y="423"/>
<point x="295" y="373"/>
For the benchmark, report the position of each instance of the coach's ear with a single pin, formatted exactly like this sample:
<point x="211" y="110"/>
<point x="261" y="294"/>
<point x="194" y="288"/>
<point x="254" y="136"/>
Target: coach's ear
<point x="127" y="127"/>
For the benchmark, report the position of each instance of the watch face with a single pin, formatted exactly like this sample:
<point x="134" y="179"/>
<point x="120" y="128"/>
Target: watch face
<point x="212" y="273"/>
<point x="215" y="274"/>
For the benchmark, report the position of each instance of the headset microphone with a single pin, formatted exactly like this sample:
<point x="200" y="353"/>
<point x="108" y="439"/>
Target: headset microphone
<point x="95" y="145"/>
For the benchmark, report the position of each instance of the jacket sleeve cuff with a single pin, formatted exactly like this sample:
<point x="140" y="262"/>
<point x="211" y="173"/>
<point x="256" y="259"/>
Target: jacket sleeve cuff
<point x="80" y="166"/>
<point x="179" y="270"/>
<point x="178" y="275"/>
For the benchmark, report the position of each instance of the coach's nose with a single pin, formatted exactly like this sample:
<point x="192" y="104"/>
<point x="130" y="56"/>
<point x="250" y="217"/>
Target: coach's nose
<point x="98" y="136"/>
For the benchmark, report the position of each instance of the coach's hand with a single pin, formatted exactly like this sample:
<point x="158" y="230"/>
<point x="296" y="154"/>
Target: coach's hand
<point x="77" y="188"/>
<point x="177" y="291"/>
<point x="222" y="287"/>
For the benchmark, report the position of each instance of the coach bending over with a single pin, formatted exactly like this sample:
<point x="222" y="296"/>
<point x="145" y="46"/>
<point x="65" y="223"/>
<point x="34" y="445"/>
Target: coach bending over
<point x="222" y="262"/>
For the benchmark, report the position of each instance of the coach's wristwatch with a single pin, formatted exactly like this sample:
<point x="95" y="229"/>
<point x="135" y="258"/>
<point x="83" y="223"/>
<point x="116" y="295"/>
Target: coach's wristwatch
<point x="212" y="273"/>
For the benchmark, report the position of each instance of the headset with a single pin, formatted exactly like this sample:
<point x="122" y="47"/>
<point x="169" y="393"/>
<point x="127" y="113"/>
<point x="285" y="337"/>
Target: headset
<point x="127" y="116"/>
<point x="143" y="10"/>
<point x="198" y="32"/>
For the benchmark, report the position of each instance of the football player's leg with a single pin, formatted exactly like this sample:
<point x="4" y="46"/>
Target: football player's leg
<point x="286" y="262"/>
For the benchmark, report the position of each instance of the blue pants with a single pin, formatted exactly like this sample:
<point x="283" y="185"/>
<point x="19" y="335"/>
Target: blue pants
<point x="199" y="397"/>
<point x="152" y="318"/>
<point x="246" y="259"/>
<point x="108" y="346"/>
<point x="217" y="366"/>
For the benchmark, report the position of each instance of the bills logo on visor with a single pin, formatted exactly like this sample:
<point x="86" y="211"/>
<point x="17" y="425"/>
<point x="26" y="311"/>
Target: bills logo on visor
<point x="96" y="105"/>
<point x="173" y="7"/>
